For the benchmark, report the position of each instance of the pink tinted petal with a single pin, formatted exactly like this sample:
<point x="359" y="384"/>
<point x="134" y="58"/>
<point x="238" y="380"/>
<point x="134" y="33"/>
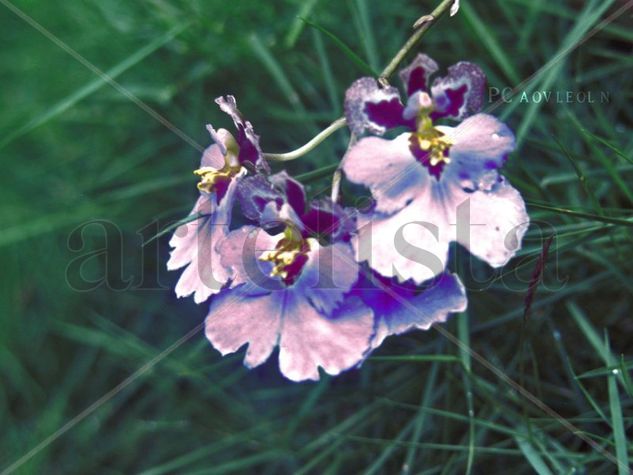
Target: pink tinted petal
<point x="195" y="244"/>
<point x="213" y="155"/>
<point x="480" y="147"/>
<point x="240" y="252"/>
<point x="416" y="76"/>
<point x="460" y="93"/>
<point x="498" y="222"/>
<point x="444" y="296"/>
<point x="328" y="274"/>
<point x="388" y="169"/>
<point x="310" y="340"/>
<point x="235" y="320"/>
<point x="412" y="244"/>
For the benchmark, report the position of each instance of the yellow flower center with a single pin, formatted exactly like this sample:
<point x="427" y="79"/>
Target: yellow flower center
<point x="431" y="140"/>
<point x="286" y="254"/>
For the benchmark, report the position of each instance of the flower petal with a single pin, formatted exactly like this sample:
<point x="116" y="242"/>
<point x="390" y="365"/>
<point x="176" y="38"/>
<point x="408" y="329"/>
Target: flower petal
<point x="481" y="145"/>
<point x="327" y="218"/>
<point x="309" y="340"/>
<point x="416" y="76"/>
<point x="240" y="252"/>
<point x="195" y="245"/>
<point x="328" y="274"/>
<point x="370" y="107"/>
<point x="460" y="93"/>
<point x="411" y="244"/>
<point x="235" y="320"/>
<point x="399" y="311"/>
<point x="247" y="140"/>
<point x="255" y="193"/>
<point x="388" y="169"/>
<point x="498" y="220"/>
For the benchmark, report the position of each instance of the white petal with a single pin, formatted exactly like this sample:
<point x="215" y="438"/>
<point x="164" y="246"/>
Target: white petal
<point x="498" y="221"/>
<point x="388" y="169"/>
<point x="235" y="320"/>
<point x="309" y="340"/>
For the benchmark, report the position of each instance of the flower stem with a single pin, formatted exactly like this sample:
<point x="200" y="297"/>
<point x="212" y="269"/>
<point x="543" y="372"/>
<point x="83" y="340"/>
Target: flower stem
<point x="312" y="144"/>
<point x="422" y="25"/>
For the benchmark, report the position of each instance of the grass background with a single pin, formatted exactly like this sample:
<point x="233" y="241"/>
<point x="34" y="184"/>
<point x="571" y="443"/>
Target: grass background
<point x="75" y="150"/>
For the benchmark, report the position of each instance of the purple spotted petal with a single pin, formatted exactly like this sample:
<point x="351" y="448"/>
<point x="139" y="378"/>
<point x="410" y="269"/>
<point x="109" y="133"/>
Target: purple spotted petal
<point x="309" y="340"/>
<point x="400" y="309"/>
<point x="328" y="274"/>
<point x="195" y="246"/>
<point x="481" y="145"/>
<point x="416" y="76"/>
<point x="498" y="222"/>
<point x="460" y="93"/>
<point x="388" y="169"/>
<point x="372" y="108"/>
<point x="409" y="245"/>
<point x="247" y="140"/>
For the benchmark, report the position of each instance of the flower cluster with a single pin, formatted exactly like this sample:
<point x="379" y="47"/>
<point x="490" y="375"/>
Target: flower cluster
<point x="327" y="283"/>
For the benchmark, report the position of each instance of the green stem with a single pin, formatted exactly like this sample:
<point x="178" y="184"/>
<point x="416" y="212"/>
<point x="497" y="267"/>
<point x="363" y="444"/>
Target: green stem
<point x="425" y="24"/>
<point x="312" y="144"/>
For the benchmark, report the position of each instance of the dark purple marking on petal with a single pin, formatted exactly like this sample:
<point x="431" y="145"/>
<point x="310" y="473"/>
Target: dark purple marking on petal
<point x="460" y="93"/>
<point x="293" y="190"/>
<point x="296" y="195"/>
<point x="416" y="76"/>
<point x="491" y="165"/>
<point x="330" y="220"/>
<point x="360" y="95"/>
<point x="246" y="139"/>
<point x="318" y="221"/>
<point x="453" y="100"/>
<point x="220" y="188"/>
<point x="388" y="114"/>
<point x="254" y="193"/>
<point x="424" y="157"/>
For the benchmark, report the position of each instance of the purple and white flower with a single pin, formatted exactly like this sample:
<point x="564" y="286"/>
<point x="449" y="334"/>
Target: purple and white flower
<point x="402" y="307"/>
<point x="222" y="166"/>
<point x="432" y="184"/>
<point x="287" y="289"/>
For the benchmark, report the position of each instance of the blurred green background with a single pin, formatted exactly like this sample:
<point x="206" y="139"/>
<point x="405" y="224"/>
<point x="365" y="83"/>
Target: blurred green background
<point x="75" y="150"/>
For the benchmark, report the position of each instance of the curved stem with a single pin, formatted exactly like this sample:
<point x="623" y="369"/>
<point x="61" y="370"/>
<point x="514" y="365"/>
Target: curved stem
<point x="312" y="144"/>
<point x="422" y="25"/>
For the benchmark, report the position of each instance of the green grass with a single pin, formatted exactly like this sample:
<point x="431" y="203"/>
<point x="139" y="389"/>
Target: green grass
<point x="75" y="150"/>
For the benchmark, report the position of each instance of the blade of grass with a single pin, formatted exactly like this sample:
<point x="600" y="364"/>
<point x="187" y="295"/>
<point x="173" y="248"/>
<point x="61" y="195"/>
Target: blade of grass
<point x="298" y="24"/>
<point x="532" y="456"/>
<point x="617" y="423"/>
<point x="347" y="51"/>
<point x="463" y="333"/>
<point x="93" y="86"/>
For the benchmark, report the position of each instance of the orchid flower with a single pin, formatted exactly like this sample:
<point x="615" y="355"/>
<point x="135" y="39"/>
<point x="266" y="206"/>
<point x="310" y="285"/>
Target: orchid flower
<point x="288" y="289"/>
<point x="432" y="181"/>
<point x="222" y="166"/>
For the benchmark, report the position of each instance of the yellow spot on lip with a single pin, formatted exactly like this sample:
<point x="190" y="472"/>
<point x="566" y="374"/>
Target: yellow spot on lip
<point x="436" y="143"/>
<point x="209" y="176"/>
<point x="286" y="252"/>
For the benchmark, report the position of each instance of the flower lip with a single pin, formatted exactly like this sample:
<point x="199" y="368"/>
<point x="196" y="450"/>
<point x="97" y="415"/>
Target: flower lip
<point x="289" y="256"/>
